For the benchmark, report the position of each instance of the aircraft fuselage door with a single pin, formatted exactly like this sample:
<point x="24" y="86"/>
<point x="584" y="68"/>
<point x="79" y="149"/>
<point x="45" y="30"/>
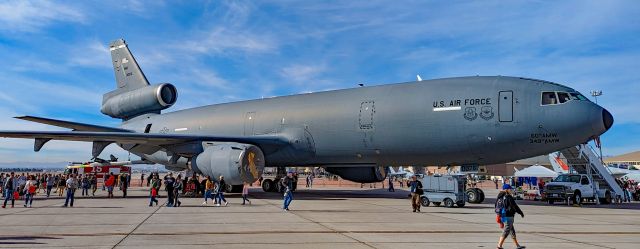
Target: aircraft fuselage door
<point x="249" y="121"/>
<point x="505" y="106"/>
<point x="365" y="117"/>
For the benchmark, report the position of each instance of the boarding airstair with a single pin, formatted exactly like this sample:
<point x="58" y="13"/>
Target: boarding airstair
<point x="583" y="160"/>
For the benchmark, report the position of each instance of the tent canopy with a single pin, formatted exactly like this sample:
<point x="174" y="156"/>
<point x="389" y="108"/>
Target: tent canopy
<point x="536" y="171"/>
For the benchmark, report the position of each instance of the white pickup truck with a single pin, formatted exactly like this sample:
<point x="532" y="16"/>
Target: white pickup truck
<point x="575" y="188"/>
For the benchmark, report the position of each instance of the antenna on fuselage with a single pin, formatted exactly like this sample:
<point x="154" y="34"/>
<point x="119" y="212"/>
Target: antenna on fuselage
<point x="419" y="78"/>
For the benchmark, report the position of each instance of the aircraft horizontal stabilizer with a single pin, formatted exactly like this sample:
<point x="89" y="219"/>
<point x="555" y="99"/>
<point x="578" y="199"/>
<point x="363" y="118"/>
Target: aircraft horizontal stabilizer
<point x="71" y="125"/>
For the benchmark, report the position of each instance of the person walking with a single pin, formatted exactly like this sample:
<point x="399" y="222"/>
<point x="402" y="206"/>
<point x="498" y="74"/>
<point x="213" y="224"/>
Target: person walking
<point x="178" y="185"/>
<point x="109" y="183"/>
<point x="391" y="189"/>
<point x="208" y="190"/>
<point x="245" y="193"/>
<point x="71" y="184"/>
<point x="9" y="187"/>
<point x="168" y="182"/>
<point x="124" y="184"/>
<point x="2" y="178"/>
<point x="507" y="207"/>
<point x="93" y="180"/>
<point x="154" y="190"/>
<point x="51" y="181"/>
<point x="61" y="185"/>
<point x="84" y="183"/>
<point x="220" y="188"/>
<point x="287" y="184"/>
<point x="30" y="189"/>
<point x="416" y="191"/>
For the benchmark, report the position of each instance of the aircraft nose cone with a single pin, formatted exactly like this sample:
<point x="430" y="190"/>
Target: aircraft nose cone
<point x="607" y="119"/>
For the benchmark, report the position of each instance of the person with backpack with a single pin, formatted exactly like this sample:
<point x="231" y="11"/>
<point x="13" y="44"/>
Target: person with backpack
<point x="9" y="187"/>
<point x="415" y="187"/>
<point x="30" y="188"/>
<point x="71" y="184"/>
<point x="178" y="185"/>
<point x="506" y="207"/>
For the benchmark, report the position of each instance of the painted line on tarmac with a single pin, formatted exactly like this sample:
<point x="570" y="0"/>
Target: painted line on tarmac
<point x="333" y="231"/>
<point x="139" y="224"/>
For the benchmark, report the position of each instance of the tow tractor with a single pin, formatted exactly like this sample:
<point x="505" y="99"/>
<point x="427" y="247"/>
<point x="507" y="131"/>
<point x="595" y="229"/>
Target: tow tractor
<point x="449" y="190"/>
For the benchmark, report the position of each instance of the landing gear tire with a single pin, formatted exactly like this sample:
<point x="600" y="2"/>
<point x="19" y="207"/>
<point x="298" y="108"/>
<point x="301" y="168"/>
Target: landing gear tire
<point x="475" y="195"/>
<point x="228" y="188"/>
<point x="577" y="198"/>
<point x="437" y="204"/>
<point x="472" y="195"/>
<point x="267" y="185"/>
<point x="424" y="201"/>
<point x="448" y="203"/>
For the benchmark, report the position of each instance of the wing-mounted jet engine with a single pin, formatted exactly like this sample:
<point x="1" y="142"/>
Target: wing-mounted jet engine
<point x="360" y="174"/>
<point x="237" y="162"/>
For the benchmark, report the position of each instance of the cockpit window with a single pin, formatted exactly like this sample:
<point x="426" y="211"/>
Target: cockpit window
<point x="549" y="98"/>
<point x="578" y="96"/>
<point x="563" y="97"/>
<point x="553" y="98"/>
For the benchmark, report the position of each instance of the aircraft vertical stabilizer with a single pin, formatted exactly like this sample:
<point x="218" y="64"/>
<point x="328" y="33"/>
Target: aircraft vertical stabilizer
<point x="128" y="73"/>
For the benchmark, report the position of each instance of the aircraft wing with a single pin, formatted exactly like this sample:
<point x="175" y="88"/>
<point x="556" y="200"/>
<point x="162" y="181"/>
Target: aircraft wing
<point x="71" y="125"/>
<point x="175" y="143"/>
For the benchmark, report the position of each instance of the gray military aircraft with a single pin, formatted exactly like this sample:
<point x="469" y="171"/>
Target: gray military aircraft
<point x="353" y="132"/>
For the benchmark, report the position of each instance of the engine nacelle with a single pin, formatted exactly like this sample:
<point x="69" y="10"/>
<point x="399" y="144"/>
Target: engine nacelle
<point x="238" y="163"/>
<point x="149" y="99"/>
<point x="360" y="174"/>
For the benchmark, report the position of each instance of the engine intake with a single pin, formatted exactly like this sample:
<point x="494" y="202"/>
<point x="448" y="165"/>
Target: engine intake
<point x="238" y="163"/>
<point x="359" y="174"/>
<point x="149" y="99"/>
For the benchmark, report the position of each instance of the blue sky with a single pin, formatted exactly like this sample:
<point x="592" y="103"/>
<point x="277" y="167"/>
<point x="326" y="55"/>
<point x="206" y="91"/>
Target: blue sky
<point x="55" y="61"/>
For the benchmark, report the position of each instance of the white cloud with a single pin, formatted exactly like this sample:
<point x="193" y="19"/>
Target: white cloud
<point x="30" y="16"/>
<point x="93" y="54"/>
<point x="301" y="73"/>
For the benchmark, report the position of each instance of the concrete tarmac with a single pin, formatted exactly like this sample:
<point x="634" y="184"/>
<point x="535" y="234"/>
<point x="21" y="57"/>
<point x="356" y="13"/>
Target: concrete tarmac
<point x="319" y="218"/>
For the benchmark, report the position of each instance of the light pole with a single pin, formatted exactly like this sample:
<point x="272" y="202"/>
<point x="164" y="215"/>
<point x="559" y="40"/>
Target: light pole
<point x="595" y="95"/>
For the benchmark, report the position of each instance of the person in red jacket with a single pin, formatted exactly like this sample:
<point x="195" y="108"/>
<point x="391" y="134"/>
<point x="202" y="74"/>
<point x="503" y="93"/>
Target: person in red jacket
<point x="111" y="181"/>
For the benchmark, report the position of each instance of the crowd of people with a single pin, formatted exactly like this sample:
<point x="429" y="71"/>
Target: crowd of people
<point x="26" y="186"/>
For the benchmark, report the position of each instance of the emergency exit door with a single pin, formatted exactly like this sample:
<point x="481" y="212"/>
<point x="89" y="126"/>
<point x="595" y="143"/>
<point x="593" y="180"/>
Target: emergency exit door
<point x="505" y="106"/>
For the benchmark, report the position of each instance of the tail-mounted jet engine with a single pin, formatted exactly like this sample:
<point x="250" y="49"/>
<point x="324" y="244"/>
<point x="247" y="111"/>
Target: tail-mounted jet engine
<point x="238" y="163"/>
<point x="360" y="174"/>
<point x="148" y="99"/>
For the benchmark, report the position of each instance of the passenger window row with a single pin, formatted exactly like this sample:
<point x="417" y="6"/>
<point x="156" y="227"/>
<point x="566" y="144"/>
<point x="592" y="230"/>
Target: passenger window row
<point x="554" y="98"/>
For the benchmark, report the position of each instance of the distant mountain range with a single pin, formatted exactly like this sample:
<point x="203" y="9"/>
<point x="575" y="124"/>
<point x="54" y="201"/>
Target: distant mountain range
<point x="62" y="165"/>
